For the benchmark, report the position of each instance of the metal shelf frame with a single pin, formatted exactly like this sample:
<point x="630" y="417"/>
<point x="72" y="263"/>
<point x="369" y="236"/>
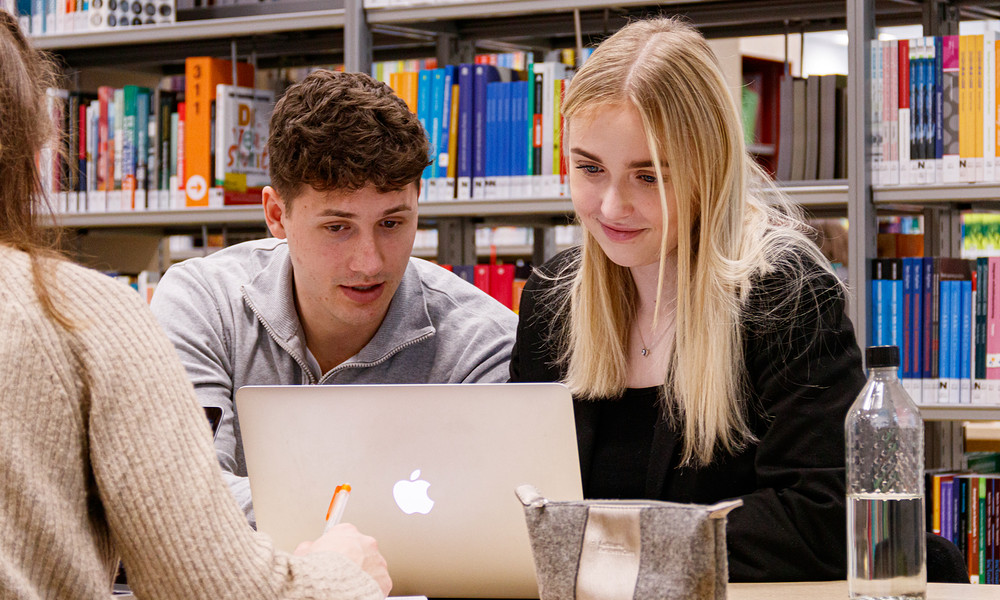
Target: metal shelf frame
<point x="195" y="30"/>
<point x="959" y="412"/>
<point x="827" y="195"/>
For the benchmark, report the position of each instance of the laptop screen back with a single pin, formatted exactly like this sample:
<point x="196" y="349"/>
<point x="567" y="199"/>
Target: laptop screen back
<point x="432" y="468"/>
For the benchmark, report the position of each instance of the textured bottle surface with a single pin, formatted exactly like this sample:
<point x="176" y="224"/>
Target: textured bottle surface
<point x="885" y="493"/>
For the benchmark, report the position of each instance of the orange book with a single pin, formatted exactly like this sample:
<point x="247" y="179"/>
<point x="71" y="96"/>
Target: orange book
<point x="408" y="87"/>
<point x="201" y="75"/>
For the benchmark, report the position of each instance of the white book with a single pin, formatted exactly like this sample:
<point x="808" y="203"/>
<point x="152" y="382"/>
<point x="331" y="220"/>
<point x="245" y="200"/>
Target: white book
<point x="891" y="54"/>
<point x="242" y="115"/>
<point x="931" y="390"/>
<point x="552" y="71"/>
<point x="876" y="115"/>
<point x="978" y="391"/>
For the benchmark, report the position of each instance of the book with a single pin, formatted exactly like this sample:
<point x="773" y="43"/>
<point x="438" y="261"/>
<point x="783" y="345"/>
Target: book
<point x="827" y="152"/>
<point x="799" y="130"/>
<point x="466" y="95"/>
<point x="812" y="125"/>
<point x="242" y="118"/>
<point x="202" y="76"/>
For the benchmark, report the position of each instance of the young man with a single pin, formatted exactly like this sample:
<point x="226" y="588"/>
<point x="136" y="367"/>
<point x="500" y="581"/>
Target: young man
<point x="334" y="297"/>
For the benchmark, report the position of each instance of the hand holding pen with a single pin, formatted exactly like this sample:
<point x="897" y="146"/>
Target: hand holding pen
<point x="337" y="505"/>
<point x="346" y="540"/>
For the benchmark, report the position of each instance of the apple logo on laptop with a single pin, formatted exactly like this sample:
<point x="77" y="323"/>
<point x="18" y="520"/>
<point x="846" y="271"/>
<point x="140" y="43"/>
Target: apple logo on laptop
<point x="411" y="496"/>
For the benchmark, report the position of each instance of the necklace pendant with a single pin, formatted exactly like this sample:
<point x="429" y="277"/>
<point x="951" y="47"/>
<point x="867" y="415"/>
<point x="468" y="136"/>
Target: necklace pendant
<point x="645" y="351"/>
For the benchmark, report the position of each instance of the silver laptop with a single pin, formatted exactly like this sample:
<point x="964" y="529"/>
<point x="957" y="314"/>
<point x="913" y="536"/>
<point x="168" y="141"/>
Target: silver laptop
<point x="432" y="468"/>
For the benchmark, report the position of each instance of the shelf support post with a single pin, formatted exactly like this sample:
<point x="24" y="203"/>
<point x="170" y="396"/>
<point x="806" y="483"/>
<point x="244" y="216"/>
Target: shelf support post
<point x="456" y="241"/>
<point x="860" y="209"/>
<point x="357" y="38"/>
<point x="940" y="18"/>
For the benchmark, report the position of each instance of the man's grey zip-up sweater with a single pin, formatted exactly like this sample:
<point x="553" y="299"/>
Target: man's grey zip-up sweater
<point x="233" y="320"/>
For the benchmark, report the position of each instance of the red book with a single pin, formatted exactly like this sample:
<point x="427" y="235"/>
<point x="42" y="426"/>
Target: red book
<point x="482" y="277"/>
<point x="502" y="284"/>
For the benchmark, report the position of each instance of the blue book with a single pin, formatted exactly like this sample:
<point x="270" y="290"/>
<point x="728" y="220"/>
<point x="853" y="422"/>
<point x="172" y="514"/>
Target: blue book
<point x="492" y="149"/>
<point x="24" y="14"/>
<point x="466" y="93"/>
<point x="505" y="136"/>
<point x="965" y="332"/>
<point x="424" y="100"/>
<point x="435" y="120"/>
<point x="938" y="75"/>
<point x="896" y="303"/>
<point x="955" y="345"/>
<point x="917" y="329"/>
<point x="878" y="306"/>
<point x="521" y="137"/>
<point x="482" y="77"/>
<point x="906" y="350"/>
<point x="914" y="104"/>
<point x="466" y="272"/>
<point x="944" y="347"/>
<point x="444" y="137"/>
<point x="142" y="144"/>
<point x="926" y="308"/>
<point x="946" y="508"/>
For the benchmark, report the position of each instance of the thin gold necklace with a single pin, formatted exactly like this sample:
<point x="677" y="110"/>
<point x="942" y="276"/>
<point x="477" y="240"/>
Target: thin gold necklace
<point x="645" y="348"/>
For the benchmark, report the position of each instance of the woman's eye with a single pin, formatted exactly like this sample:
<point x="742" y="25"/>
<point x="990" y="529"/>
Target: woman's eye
<point x="650" y="179"/>
<point x="591" y="169"/>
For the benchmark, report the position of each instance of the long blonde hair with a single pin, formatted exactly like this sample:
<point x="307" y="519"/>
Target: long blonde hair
<point x="732" y="225"/>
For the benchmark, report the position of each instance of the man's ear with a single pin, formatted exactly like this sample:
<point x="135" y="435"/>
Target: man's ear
<point x="274" y="211"/>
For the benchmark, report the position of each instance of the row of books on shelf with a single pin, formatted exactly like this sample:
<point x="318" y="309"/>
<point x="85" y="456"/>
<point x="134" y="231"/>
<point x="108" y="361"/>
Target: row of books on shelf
<point x="965" y="508"/>
<point x="494" y="132"/>
<point x="504" y="282"/>
<point x="51" y="17"/>
<point x="133" y="148"/>
<point x="504" y="236"/>
<point x="812" y="127"/>
<point x="934" y="110"/>
<point x="944" y="315"/>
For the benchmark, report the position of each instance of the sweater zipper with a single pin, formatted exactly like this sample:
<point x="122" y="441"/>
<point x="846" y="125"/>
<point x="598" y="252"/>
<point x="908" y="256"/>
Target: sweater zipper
<point x="305" y="368"/>
<point x="378" y="362"/>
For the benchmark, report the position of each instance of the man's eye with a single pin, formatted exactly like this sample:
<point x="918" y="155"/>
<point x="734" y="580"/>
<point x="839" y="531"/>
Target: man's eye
<point x="335" y="228"/>
<point x="388" y="224"/>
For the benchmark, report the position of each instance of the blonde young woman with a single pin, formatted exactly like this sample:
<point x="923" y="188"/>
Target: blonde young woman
<point x="701" y="331"/>
<point x="104" y="451"/>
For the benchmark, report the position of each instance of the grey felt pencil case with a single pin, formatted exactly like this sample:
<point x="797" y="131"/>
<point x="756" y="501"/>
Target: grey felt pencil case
<point x="624" y="549"/>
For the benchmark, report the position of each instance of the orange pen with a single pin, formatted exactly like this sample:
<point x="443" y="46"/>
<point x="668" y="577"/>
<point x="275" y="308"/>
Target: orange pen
<point x="337" y="505"/>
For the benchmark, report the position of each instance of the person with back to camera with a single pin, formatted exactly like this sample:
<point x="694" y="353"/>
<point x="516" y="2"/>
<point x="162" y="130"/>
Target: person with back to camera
<point x="702" y="333"/>
<point x="334" y="297"/>
<point x="105" y="451"/>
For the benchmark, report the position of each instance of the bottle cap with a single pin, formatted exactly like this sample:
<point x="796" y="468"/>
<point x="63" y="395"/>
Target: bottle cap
<point x="882" y="356"/>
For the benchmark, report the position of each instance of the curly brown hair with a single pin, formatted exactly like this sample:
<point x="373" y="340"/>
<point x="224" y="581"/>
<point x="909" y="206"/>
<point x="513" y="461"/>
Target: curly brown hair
<point x="344" y="131"/>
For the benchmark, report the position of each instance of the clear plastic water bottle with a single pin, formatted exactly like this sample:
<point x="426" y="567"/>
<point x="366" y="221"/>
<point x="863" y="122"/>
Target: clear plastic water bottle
<point x="885" y="486"/>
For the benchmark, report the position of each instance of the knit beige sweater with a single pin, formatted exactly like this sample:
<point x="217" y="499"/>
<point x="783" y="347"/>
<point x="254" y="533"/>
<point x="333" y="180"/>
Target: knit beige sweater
<point x="105" y="452"/>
